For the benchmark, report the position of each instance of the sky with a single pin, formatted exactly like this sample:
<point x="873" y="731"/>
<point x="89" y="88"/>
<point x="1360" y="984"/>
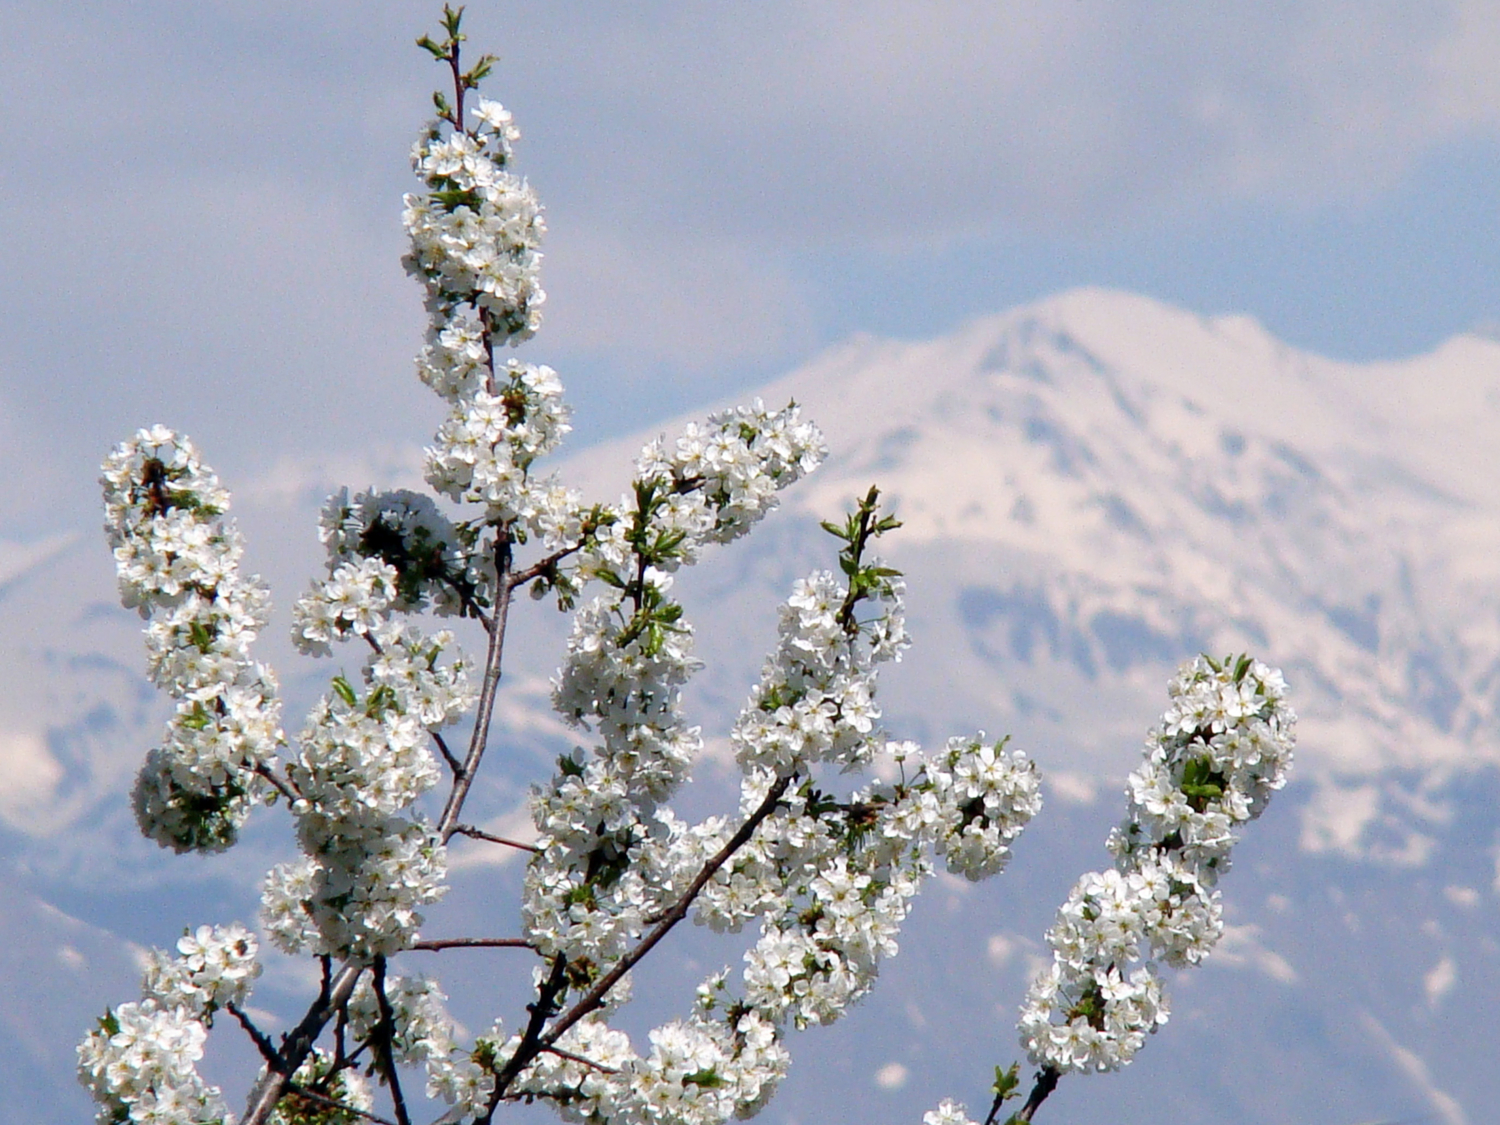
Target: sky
<point x="199" y="203"/>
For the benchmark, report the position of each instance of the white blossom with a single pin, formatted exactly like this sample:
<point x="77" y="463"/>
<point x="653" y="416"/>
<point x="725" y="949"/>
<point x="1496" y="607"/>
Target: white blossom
<point x="178" y="564"/>
<point x="1223" y="746"/>
<point x="216" y="967"/>
<point x="948" y="1112"/>
<point x="141" y="1065"/>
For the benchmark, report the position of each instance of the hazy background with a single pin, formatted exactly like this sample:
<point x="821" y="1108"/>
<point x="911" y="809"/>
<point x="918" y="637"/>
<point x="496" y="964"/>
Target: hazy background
<point x="199" y="203"/>
<point x="199" y="225"/>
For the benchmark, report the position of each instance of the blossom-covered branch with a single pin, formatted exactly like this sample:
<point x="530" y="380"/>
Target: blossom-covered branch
<point x="838" y="823"/>
<point x="1222" y="748"/>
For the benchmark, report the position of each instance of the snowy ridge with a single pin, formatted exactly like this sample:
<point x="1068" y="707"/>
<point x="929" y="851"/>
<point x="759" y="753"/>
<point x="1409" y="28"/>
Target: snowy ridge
<point x="1097" y="485"/>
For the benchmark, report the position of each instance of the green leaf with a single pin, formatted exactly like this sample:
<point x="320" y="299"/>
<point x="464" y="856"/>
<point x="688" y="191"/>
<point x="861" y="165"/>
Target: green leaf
<point x="345" y="690"/>
<point x="1201" y="782"/>
<point x="379" y="699"/>
<point x="707" y="1078"/>
<point x="1007" y="1082"/>
<point x="196" y="719"/>
<point x="202" y="637"/>
<point x="480" y="71"/>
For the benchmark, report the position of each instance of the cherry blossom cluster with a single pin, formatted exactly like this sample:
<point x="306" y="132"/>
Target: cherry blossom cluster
<point x="178" y="564"/>
<point x="474" y="238"/>
<point x="824" y="864"/>
<point x="1223" y="747"/>
<point x="216" y="967"/>
<point x="483" y="453"/>
<point x="411" y="1013"/>
<point x="475" y="234"/>
<point x="832" y="881"/>
<point x="734" y="464"/>
<point x="350" y="602"/>
<point x="610" y="856"/>
<point x="433" y="557"/>
<point x="698" y="1070"/>
<point x="370" y="861"/>
<point x="358" y="895"/>
<point x="141" y="1063"/>
<point x="815" y="701"/>
<point x="702" y="1070"/>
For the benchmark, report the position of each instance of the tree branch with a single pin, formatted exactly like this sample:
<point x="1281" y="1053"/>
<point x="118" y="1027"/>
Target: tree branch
<point x="295" y="1047"/>
<point x="472" y="607"/>
<point x="332" y="1103"/>
<point x="442" y="745"/>
<point x="385" y="1031"/>
<point x="1046" y="1082"/>
<point x="542" y="565"/>
<point x="479" y="834"/>
<point x="536" y="1041"/>
<point x="262" y="1041"/>
<point x="465" y="776"/>
<point x="281" y="785"/>
<point x="470" y="943"/>
<point x="571" y="1057"/>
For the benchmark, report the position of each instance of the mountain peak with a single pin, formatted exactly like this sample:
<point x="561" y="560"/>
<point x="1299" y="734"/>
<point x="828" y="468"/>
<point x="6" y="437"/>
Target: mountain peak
<point x="1098" y="484"/>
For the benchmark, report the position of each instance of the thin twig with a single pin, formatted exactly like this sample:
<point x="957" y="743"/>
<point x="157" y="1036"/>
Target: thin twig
<point x="384" y="1032"/>
<point x="458" y="89"/>
<point x="282" y="785"/>
<point x="261" y="1040"/>
<point x="534" y="1041"/>
<point x="486" y="706"/>
<point x="295" y="1047"/>
<point x="440" y="944"/>
<point x="479" y="615"/>
<point x="571" y="1057"/>
<point x="1046" y="1082"/>
<point x="488" y="837"/>
<point x="543" y="565"/>
<point x="442" y="745"/>
<point x="333" y="1103"/>
<point x="340" y="1047"/>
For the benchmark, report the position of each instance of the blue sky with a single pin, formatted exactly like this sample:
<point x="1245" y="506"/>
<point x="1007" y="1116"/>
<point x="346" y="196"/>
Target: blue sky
<point x="199" y="203"/>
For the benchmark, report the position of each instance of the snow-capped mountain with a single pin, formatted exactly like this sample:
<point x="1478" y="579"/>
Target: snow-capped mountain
<point x="1092" y="488"/>
<point x="1097" y="486"/>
